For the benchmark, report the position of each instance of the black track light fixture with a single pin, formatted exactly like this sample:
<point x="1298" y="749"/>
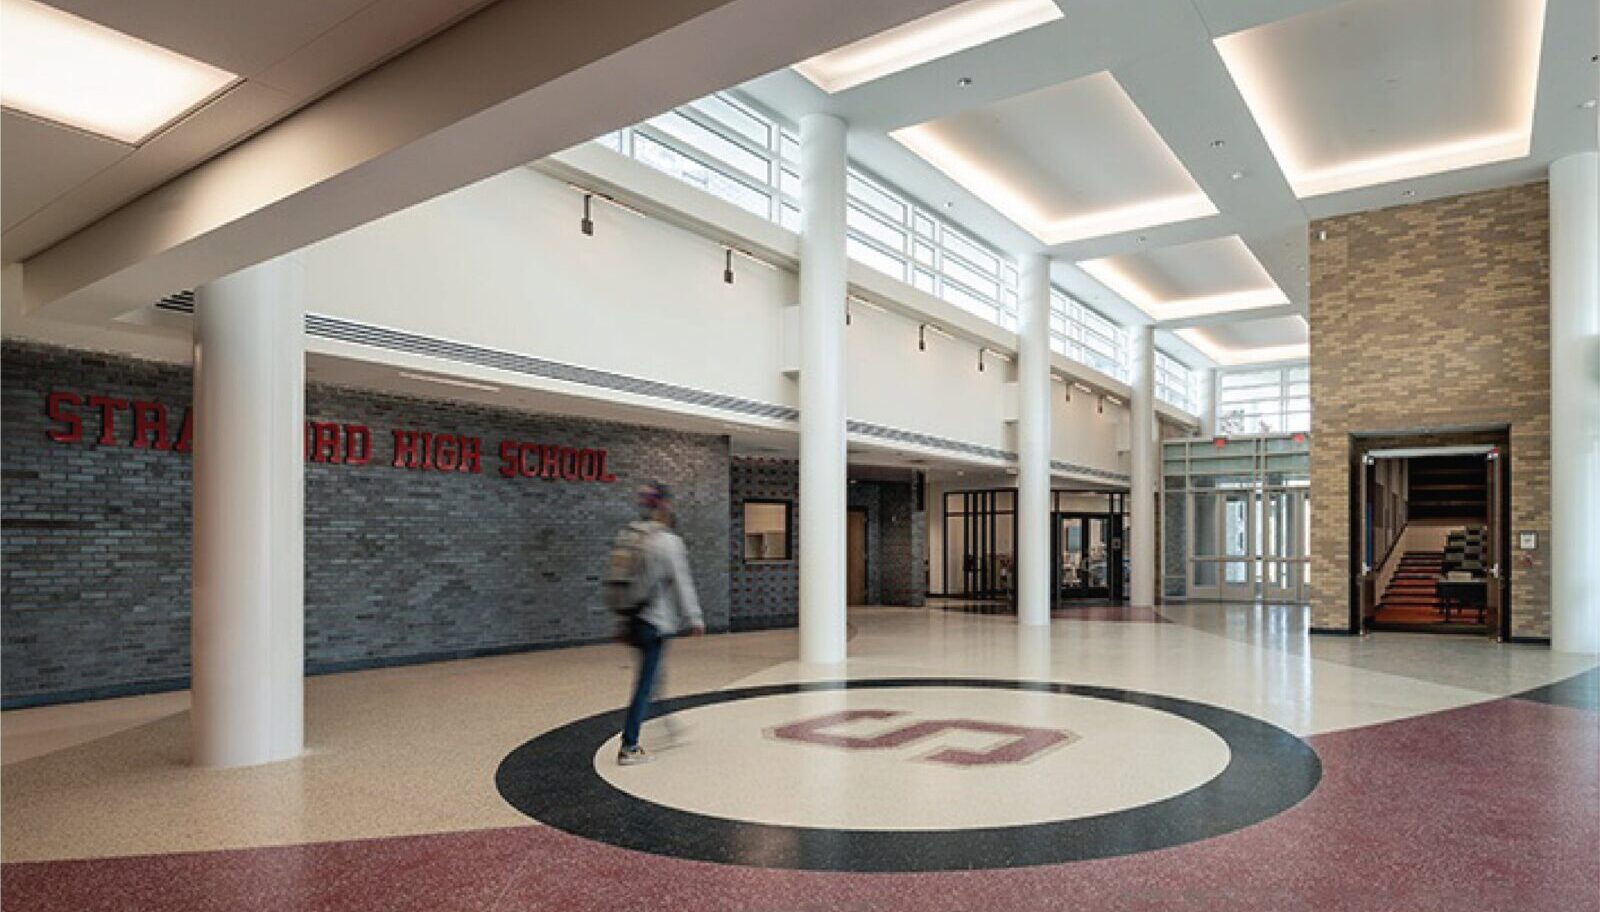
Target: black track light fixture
<point x="981" y="353"/>
<point x="587" y="223"/>
<point x="922" y="338"/>
<point x="727" y="266"/>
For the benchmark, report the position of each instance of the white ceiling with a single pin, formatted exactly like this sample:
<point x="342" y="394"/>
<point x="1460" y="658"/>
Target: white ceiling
<point x="1251" y="341"/>
<point x="289" y="52"/>
<point x="1065" y="162"/>
<point x="1350" y="81"/>
<point x="1213" y="276"/>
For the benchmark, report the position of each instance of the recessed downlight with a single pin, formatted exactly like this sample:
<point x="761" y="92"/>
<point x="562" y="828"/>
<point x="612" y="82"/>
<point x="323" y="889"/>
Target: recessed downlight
<point x="62" y="68"/>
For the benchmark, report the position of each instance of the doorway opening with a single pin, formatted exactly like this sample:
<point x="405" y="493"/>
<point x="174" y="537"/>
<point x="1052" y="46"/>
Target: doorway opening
<point x="856" y="557"/>
<point x="1429" y="533"/>
<point x="1087" y="533"/>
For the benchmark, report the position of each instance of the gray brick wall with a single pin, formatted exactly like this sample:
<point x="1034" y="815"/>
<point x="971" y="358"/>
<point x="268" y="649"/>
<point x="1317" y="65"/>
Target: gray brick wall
<point x="401" y="565"/>
<point x="767" y="594"/>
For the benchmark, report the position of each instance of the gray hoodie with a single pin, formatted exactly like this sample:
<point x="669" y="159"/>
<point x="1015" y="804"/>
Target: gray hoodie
<point x="673" y="602"/>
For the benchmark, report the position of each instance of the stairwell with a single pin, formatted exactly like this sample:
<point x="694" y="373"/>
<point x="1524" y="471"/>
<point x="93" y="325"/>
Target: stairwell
<point x="1410" y="597"/>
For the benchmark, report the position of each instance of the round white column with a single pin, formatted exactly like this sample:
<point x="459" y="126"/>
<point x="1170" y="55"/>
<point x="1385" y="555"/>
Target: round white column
<point x="1208" y="402"/>
<point x="1575" y="403"/>
<point x="1033" y="442"/>
<point x="822" y="392"/>
<point x="1142" y="468"/>
<point x="249" y="416"/>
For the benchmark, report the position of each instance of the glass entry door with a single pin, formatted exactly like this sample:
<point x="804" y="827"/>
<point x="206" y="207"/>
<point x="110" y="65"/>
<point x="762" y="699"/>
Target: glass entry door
<point x="1249" y="544"/>
<point x="1238" y="523"/>
<point x="1087" y="556"/>
<point x="1285" y="521"/>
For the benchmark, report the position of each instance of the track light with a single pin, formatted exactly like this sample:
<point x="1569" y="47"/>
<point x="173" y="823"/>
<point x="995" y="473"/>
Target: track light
<point x="1069" y="392"/>
<point x="922" y="337"/>
<point x="587" y="223"/>
<point x="980" y="359"/>
<point x="727" y="265"/>
<point x="1100" y="406"/>
<point x="847" y="311"/>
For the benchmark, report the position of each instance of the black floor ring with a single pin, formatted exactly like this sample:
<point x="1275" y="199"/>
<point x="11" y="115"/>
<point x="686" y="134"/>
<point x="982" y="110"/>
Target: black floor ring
<point x="553" y="780"/>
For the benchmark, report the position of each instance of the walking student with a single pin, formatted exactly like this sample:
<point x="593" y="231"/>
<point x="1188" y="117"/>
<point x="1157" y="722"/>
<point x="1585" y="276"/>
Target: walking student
<point x="649" y="587"/>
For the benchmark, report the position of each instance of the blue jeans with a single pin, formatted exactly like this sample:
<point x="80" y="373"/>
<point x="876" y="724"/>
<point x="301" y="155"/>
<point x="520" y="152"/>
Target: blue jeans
<point x="644" y="637"/>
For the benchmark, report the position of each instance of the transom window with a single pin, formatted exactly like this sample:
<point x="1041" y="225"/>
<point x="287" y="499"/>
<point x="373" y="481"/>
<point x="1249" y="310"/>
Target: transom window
<point x="1273" y="400"/>
<point x="1174" y="382"/>
<point x="1084" y="335"/>
<point x="738" y="152"/>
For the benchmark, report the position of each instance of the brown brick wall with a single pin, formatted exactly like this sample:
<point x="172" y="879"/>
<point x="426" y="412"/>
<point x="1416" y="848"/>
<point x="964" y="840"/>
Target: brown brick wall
<point x="1432" y="316"/>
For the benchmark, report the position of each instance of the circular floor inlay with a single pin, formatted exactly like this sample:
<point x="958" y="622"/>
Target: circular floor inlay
<point x="915" y="775"/>
<point x="920" y="758"/>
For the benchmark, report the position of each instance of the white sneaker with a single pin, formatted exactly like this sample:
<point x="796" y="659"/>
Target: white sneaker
<point x="633" y="756"/>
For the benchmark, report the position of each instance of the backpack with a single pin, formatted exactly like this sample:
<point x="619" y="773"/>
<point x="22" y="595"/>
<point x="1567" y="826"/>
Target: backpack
<point x="629" y="582"/>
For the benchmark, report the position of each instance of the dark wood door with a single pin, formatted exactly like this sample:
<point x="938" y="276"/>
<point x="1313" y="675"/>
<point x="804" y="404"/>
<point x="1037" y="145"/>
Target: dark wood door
<point x="856" y="557"/>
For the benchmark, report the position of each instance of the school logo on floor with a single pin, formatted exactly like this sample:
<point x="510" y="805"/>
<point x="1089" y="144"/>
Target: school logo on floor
<point x="1021" y="742"/>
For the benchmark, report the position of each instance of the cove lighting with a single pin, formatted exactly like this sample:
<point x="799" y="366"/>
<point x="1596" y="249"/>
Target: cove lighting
<point x="56" y="66"/>
<point x="957" y="28"/>
<point x="1113" y="277"/>
<point x="1229" y="357"/>
<point x="1504" y="40"/>
<point x="992" y="187"/>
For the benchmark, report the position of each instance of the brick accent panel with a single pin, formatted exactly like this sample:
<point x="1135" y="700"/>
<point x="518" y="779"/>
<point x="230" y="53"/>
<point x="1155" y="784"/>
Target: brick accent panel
<point x="767" y="594"/>
<point x="401" y="565"/>
<point x="1432" y="316"/>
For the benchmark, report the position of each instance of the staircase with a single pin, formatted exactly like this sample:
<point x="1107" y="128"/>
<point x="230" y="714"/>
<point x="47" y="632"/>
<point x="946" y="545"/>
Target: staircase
<point x="1410" y="597"/>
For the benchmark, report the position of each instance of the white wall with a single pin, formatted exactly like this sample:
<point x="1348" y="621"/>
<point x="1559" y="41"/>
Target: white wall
<point x="503" y="264"/>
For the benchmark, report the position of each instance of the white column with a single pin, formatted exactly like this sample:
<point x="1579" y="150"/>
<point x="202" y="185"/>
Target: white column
<point x="1033" y="442"/>
<point x="247" y="634"/>
<point x="1575" y="403"/>
<point x="822" y="391"/>
<point x="1208" y="402"/>
<point x="1142" y="456"/>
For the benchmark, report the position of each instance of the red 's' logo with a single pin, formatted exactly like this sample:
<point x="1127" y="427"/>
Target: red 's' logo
<point x="1025" y="742"/>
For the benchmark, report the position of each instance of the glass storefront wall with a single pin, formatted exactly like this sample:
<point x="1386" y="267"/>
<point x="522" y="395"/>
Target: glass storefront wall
<point x="1237" y="518"/>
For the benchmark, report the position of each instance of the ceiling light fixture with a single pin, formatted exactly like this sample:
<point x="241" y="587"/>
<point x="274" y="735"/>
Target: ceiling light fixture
<point x="1237" y="175"/>
<point x="727" y="265"/>
<point x="62" y="68"/>
<point x="1217" y="144"/>
<point x="980" y="359"/>
<point x="963" y="82"/>
<point x="954" y="29"/>
<point x="449" y="381"/>
<point x="586" y="224"/>
<point x="1408" y="193"/>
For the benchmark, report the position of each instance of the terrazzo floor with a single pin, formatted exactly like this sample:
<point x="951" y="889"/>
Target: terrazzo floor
<point x="1448" y="775"/>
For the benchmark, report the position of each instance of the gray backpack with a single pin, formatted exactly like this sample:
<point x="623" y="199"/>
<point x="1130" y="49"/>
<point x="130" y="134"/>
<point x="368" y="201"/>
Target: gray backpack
<point x="629" y="581"/>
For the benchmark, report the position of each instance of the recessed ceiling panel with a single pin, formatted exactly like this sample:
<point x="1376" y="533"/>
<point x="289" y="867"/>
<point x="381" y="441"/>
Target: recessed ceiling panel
<point x="1372" y="91"/>
<point x="72" y="71"/>
<point x="1073" y="161"/>
<point x="1252" y="341"/>
<point x="1219" y="275"/>
<point x="951" y="30"/>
